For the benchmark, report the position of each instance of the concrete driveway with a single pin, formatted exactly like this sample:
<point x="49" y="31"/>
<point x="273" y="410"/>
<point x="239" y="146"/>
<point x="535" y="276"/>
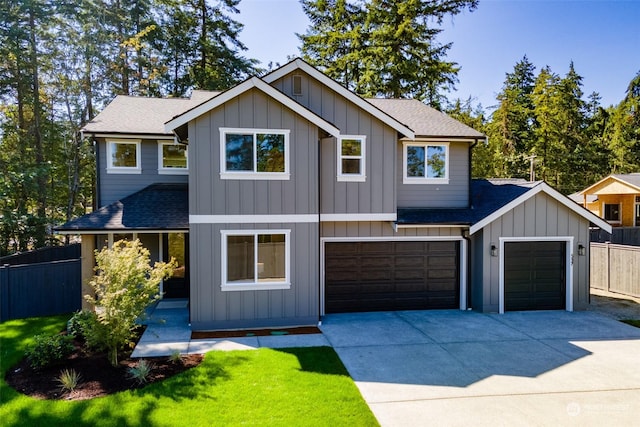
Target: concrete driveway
<point x="465" y="368"/>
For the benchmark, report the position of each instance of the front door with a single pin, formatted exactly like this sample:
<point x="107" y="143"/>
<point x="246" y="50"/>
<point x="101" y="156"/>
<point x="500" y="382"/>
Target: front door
<point x="637" y="221"/>
<point x="176" y="245"/>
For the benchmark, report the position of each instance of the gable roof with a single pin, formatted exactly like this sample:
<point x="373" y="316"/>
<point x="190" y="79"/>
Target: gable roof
<point x="156" y="207"/>
<point x="137" y="115"/>
<point x="424" y="120"/>
<point x="393" y="122"/>
<point x="253" y="82"/>
<point x="490" y="199"/>
<point x="630" y="179"/>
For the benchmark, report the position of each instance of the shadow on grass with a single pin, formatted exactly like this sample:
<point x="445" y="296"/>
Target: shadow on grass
<point x="321" y="360"/>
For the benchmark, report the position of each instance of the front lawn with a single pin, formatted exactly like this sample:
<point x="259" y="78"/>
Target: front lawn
<point x="299" y="386"/>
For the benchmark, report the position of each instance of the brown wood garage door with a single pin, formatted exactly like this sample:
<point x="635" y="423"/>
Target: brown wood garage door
<point x="534" y="276"/>
<point x="387" y="276"/>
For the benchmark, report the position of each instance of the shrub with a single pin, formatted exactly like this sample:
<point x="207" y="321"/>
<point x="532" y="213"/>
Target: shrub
<point x="140" y="373"/>
<point x="68" y="379"/>
<point x="175" y="357"/>
<point x="124" y="285"/>
<point x="49" y="349"/>
<point x="79" y="323"/>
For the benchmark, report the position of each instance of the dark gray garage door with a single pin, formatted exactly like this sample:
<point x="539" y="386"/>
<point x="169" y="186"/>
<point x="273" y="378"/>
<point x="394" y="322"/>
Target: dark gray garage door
<point x="534" y="275"/>
<point x="387" y="276"/>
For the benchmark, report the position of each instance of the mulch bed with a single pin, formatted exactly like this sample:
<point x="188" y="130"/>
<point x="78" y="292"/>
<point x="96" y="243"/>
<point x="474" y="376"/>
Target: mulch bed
<point x="99" y="378"/>
<point x="255" y="332"/>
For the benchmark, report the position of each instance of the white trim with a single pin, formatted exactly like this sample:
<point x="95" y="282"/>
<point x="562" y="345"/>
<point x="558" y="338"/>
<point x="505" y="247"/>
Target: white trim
<point x="341" y="90"/>
<point x="129" y="135"/>
<point x="424" y="180"/>
<point x="462" y="254"/>
<point x="364" y="217"/>
<point x="352" y="177"/>
<point x="253" y="175"/>
<point x="253" y="219"/>
<point x="171" y="171"/>
<point x="123" y="231"/>
<point x="253" y="82"/>
<point x="568" y="266"/>
<point x="397" y="226"/>
<point x="256" y="285"/>
<point x="613" y="221"/>
<point x="123" y="169"/>
<point x="542" y="187"/>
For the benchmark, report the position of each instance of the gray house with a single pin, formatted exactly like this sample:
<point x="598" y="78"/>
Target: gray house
<point x="288" y="197"/>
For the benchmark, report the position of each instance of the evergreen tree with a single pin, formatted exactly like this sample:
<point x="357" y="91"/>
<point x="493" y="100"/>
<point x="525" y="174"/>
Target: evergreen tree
<point x="623" y="131"/>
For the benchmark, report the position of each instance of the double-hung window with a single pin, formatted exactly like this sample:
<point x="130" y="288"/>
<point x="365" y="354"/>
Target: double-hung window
<point x="425" y="163"/>
<point x="123" y="156"/>
<point x="255" y="259"/>
<point x="254" y="154"/>
<point x="172" y="158"/>
<point x="351" y="158"/>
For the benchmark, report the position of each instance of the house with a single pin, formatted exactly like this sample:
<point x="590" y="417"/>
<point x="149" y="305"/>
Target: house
<point x="306" y="199"/>
<point x="615" y="198"/>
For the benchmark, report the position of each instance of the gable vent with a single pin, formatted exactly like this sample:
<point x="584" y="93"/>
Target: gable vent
<point x="296" y="83"/>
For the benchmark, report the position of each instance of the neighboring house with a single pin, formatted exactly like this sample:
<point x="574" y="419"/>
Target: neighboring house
<point x="615" y="198"/>
<point x="306" y="199"/>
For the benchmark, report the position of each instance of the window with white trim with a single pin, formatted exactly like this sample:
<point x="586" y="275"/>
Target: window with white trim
<point x="123" y="156"/>
<point x="172" y="158"/>
<point x="425" y="163"/>
<point x="255" y="259"/>
<point x="351" y="158"/>
<point x="254" y="154"/>
<point x="612" y="212"/>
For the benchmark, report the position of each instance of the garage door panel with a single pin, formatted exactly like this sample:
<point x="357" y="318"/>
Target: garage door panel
<point x="534" y="275"/>
<point x="410" y="276"/>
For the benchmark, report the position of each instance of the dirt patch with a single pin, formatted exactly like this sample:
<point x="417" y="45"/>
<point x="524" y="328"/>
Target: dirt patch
<point x="99" y="378"/>
<point x="255" y="333"/>
<point x="615" y="306"/>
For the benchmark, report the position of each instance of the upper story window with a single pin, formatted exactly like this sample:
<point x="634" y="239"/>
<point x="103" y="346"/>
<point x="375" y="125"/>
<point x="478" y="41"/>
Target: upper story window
<point x="612" y="212"/>
<point x="123" y="156"/>
<point x="254" y="154"/>
<point x="172" y="158"/>
<point x="351" y="158"/>
<point x="425" y="163"/>
<point x="255" y="260"/>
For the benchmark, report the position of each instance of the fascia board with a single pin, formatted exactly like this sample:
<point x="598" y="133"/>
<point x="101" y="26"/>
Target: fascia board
<point x="542" y="187"/>
<point x="335" y="86"/>
<point x="253" y="82"/>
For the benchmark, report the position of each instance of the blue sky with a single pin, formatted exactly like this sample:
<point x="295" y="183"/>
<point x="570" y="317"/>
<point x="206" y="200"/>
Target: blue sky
<point x="602" y="38"/>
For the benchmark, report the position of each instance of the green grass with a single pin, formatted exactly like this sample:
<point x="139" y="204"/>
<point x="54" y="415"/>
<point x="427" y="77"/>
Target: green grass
<point x="632" y="322"/>
<point x="298" y="386"/>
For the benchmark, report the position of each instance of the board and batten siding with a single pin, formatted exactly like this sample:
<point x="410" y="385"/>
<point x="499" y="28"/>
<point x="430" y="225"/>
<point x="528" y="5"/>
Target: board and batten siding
<point x="214" y="309"/>
<point x="454" y="194"/>
<point x="378" y="193"/>
<point x="116" y="186"/>
<point x="211" y="195"/>
<point x="539" y="216"/>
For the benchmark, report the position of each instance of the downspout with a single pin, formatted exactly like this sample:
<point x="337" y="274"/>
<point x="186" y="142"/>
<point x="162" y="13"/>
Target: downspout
<point x="465" y="236"/>
<point x="320" y="263"/>
<point x="96" y="190"/>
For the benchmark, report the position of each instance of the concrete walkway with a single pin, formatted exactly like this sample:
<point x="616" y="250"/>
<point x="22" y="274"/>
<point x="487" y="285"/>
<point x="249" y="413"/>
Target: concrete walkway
<point x="168" y="331"/>
<point x="517" y="369"/>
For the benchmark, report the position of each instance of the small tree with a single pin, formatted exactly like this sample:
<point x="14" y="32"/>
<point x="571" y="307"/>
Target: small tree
<point x="124" y="285"/>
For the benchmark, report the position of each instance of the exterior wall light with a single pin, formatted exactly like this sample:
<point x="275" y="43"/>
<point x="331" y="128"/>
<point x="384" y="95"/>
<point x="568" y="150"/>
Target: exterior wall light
<point x="494" y="250"/>
<point x="582" y="250"/>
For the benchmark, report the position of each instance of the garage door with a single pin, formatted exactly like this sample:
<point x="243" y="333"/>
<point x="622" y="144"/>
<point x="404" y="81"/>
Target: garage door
<point x="534" y="275"/>
<point x="387" y="276"/>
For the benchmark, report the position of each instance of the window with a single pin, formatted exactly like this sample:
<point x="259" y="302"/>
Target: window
<point x="255" y="260"/>
<point x="254" y="154"/>
<point x="296" y="85"/>
<point x="426" y="163"/>
<point x="351" y="155"/>
<point x="123" y="156"/>
<point x="172" y="158"/>
<point x="612" y="212"/>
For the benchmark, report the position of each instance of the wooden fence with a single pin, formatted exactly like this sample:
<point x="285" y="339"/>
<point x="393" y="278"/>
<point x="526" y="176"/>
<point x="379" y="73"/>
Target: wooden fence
<point x="620" y="236"/>
<point x="52" y="253"/>
<point x="42" y="289"/>
<point x="615" y="268"/>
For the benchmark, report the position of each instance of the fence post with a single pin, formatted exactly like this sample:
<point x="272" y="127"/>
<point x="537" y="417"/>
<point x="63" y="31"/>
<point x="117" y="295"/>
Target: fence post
<point x="4" y="293"/>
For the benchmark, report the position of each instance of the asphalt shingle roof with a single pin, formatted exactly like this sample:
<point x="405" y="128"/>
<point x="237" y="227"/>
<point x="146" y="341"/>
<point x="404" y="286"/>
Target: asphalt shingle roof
<point x="424" y="120"/>
<point x="141" y="115"/>
<point x="156" y="207"/>
<point x="487" y="196"/>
